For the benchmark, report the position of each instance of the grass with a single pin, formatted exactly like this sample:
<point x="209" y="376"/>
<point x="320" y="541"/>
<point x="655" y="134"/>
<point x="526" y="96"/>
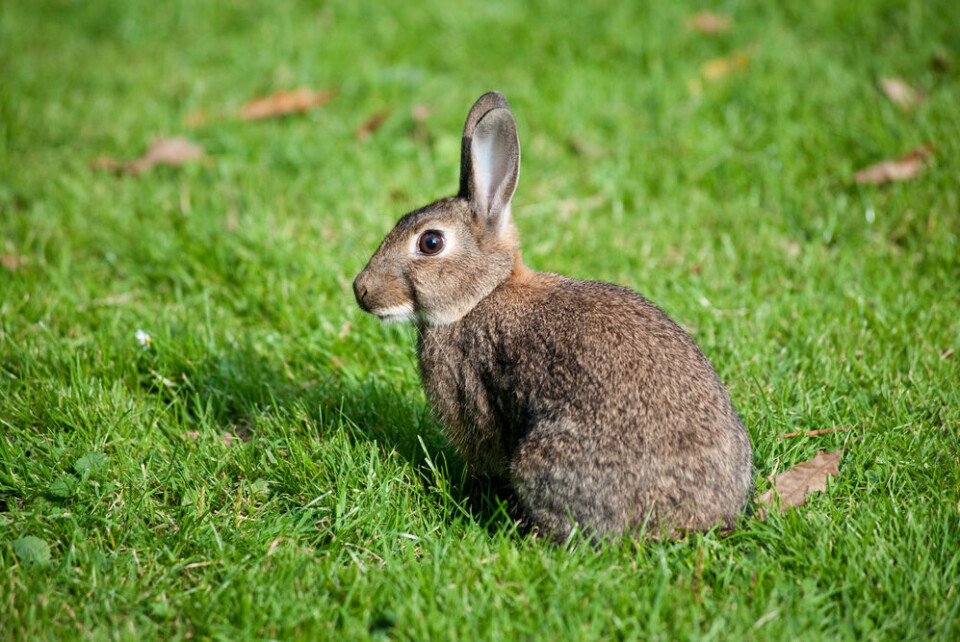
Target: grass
<point x="125" y="511"/>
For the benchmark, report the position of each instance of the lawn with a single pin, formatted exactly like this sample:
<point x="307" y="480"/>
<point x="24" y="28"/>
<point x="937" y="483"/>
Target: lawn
<point x="266" y="465"/>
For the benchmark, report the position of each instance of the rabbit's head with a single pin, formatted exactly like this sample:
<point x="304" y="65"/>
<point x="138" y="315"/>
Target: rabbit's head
<point x="441" y="260"/>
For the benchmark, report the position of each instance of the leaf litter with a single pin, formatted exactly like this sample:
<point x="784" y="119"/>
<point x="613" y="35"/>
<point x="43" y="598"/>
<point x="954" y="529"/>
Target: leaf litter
<point x="814" y="433"/>
<point x="794" y="485"/>
<point x="12" y="262"/>
<point x="901" y="94"/>
<point x="163" y="151"/>
<point x="708" y="23"/>
<point x="717" y="68"/>
<point x="283" y="103"/>
<point x="901" y="169"/>
<point x="372" y="124"/>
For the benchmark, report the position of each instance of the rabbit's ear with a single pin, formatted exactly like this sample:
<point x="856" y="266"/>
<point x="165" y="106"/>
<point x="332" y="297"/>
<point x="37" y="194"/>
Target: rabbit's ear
<point x="490" y="158"/>
<point x="488" y="101"/>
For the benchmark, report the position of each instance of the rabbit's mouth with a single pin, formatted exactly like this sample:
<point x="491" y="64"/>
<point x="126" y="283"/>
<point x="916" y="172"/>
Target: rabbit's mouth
<point x="395" y="313"/>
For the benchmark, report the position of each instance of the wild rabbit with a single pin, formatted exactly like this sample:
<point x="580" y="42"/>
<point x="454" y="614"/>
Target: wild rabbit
<point x="599" y="409"/>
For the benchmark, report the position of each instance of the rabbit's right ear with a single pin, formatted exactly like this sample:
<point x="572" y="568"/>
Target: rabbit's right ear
<point x="490" y="158"/>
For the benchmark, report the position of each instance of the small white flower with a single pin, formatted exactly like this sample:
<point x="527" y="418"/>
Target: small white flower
<point x="144" y="339"/>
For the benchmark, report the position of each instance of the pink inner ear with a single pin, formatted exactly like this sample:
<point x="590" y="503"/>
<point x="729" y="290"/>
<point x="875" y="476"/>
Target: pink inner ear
<point x="488" y="173"/>
<point x="493" y="162"/>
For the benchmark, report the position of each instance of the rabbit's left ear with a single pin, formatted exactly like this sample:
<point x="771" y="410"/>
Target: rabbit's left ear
<point x="490" y="160"/>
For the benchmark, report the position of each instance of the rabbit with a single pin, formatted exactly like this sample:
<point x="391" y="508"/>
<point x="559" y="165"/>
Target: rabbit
<point x="598" y="408"/>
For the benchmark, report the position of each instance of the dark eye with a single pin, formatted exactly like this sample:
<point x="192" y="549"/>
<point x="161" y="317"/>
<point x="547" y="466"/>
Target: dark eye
<point x="430" y="242"/>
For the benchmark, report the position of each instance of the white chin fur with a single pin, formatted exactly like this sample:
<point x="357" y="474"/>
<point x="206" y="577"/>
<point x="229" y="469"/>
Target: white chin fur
<point x="396" y="313"/>
<point x="405" y="312"/>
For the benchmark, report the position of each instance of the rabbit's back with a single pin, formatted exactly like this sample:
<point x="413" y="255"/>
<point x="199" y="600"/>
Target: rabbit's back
<point x="594" y="402"/>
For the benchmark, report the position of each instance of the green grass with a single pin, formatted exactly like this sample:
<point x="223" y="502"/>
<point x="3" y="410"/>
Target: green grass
<point x="346" y="514"/>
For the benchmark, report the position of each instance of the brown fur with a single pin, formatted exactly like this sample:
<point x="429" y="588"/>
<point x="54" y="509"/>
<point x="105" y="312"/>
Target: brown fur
<point x="599" y="408"/>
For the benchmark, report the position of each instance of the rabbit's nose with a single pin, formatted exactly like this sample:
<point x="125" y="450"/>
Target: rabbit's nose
<point x="360" y="288"/>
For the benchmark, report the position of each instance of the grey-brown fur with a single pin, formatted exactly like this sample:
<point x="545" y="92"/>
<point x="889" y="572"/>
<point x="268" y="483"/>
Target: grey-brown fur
<point x="598" y="407"/>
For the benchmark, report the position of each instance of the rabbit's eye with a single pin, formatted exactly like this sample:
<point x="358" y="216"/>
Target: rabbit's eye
<point x="430" y="242"/>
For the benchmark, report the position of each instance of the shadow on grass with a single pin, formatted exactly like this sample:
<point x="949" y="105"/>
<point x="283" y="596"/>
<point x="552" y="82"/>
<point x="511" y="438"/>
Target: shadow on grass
<point x="241" y="391"/>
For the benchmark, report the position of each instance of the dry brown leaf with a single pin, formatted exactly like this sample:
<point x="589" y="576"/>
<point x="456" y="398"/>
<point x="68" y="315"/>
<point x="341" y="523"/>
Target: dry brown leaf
<point x="901" y="169"/>
<point x="719" y="67"/>
<point x="901" y="94"/>
<point x="193" y="434"/>
<point x="372" y="124"/>
<point x="164" y="151"/>
<point x="822" y="431"/>
<point x="283" y="103"/>
<point x="421" y="112"/>
<point x="807" y="477"/>
<point x="946" y="354"/>
<point x="12" y="262"/>
<point x="709" y="23"/>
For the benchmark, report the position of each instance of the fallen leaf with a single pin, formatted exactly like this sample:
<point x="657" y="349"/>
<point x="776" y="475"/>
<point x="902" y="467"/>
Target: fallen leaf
<point x="421" y="112"/>
<point x="283" y="103"/>
<point x="901" y="169"/>
<point x="337" y="362"/>
<point x="901" y="94"/>
<point x="372" y="124"/>
<point x="11" y="262"/>
<point x="946" y="354"/>
<point x="193" y="434"/>
<point x="822" y="431"/>
<point x="807" y="477"/>
<point x="227" y="439"/>
<point x="719" y="67"/>
<point x="344" y="330"/>
<point x="709" y="23"/>
<point x="164" y="151"/>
